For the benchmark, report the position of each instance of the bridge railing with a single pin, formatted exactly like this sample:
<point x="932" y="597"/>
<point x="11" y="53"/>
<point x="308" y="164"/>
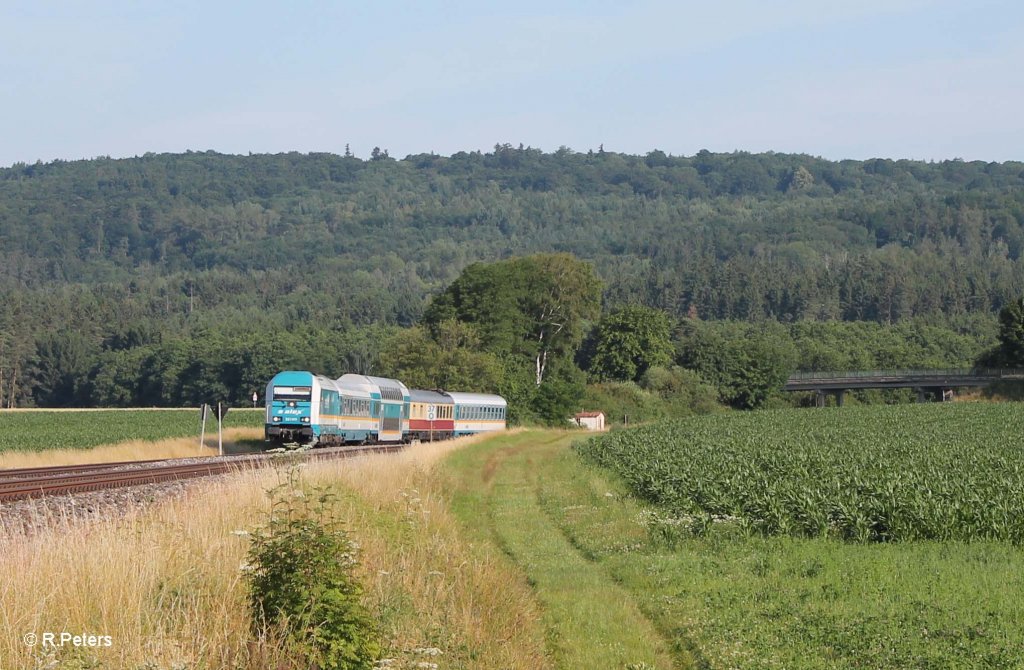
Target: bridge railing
<point x="988" y="373"/>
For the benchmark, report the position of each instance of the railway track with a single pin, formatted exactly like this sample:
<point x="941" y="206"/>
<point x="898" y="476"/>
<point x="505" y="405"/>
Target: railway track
<point x="22" y="483"/>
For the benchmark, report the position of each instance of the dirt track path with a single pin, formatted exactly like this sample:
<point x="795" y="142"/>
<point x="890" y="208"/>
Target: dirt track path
<point x="591" y="621"/>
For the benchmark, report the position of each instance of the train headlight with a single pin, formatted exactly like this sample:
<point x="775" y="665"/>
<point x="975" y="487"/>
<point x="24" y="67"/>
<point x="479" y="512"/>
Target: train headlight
<point x="277" y="419"/>
<point x="305" y="419"/>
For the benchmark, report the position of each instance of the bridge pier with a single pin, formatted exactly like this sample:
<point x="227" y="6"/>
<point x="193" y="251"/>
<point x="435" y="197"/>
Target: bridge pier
<point x="934" y="394"/>
<point x="821" y="397"/>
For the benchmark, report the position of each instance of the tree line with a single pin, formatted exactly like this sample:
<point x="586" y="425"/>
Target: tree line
<point x="138" y="253"/>
<point x="530" y="328"/>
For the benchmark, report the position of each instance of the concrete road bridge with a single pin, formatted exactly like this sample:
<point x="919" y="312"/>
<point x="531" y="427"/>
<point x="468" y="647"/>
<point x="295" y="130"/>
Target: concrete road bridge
<point x="938" y="384"/>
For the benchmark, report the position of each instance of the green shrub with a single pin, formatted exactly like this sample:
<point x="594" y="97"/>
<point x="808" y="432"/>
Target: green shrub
<point x="301" y="583"/>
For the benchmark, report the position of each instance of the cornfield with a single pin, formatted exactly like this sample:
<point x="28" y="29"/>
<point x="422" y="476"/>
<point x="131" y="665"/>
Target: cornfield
<point x="40" y="430"/>
<point x="882" y="473"/>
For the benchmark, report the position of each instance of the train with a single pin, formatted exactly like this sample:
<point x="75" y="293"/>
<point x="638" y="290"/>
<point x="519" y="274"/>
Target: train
<point x="307" y="409"/>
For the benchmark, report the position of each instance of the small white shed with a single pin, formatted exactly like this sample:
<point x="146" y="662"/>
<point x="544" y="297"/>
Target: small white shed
<point x="590" y="420"/>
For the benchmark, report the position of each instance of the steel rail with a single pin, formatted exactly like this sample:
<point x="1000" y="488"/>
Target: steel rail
<point x="80" y="478"/>
<point x="8" y="473"/>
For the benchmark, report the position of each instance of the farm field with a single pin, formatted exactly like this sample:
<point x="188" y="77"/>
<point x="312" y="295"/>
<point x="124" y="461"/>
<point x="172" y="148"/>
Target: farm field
<point x="40" y="430"/>
<point x="877" y="473"/>
<point x="516" y="552"/>
<point x="600" y="559"/>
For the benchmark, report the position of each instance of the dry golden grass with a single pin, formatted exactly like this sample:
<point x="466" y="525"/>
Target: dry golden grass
<point x="134" y="450"/>
<point x="167" y="585"/>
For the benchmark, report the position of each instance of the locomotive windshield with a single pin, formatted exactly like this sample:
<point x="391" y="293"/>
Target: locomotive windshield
<point x="303" y="393"/>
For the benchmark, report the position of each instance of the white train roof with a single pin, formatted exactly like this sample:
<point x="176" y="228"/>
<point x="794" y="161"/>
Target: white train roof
<point x="364" y="385"/>
<point x="486" y="399"/>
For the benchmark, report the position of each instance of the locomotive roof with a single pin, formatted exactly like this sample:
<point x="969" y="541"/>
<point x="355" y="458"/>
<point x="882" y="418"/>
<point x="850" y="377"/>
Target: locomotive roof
<point x="476" y="399"/>
<point x="419" y="395"/>
<point x="300" y="378"/>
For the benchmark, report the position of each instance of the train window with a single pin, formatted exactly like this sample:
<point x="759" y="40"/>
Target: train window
<point x="293" y="393"/>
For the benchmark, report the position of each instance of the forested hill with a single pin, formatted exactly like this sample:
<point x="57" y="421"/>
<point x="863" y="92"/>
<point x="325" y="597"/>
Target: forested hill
<point x="745" y="236"/>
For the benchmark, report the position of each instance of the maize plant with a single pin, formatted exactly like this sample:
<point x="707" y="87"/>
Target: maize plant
<point x="882" y="473"/>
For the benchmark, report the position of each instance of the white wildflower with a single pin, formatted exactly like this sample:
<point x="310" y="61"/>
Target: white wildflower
<point x="427" y="651"/>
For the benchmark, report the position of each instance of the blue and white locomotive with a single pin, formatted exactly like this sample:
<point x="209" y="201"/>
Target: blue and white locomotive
<point x="308" y="409"/>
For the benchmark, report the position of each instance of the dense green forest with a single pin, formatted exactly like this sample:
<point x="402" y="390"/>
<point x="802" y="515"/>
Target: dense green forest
<point x="163" y="278"/>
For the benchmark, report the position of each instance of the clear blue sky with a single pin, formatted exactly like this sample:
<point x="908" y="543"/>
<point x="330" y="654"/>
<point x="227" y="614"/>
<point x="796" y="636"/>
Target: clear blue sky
<point x="841" y="79"/>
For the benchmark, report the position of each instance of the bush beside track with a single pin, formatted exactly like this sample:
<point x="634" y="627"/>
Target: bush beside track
<point x="885" y="473"/>
<point x="39" y="430"/>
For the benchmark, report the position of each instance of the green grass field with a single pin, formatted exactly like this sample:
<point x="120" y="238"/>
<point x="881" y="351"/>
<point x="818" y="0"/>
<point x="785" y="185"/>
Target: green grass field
<point x="42" y="430"/>
<point x="624" y="585"/>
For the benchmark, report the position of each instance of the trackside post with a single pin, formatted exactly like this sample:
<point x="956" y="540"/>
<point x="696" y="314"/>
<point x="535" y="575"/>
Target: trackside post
<point x="222" y="411"/>
<point x="203" y="410"/>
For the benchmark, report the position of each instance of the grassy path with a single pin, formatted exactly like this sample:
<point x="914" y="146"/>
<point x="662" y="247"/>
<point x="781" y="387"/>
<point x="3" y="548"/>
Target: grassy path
<point x="591" y="621"/>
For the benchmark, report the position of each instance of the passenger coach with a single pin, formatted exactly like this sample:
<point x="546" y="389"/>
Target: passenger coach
<point x="388" y="406"/>
<point x="431" y="416"/>
<point x="478" y="412"/>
